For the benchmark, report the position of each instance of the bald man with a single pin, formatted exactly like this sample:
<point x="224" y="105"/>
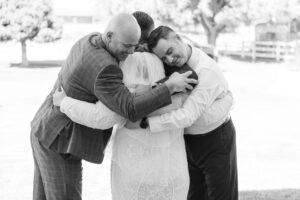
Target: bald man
<point x="90" y="73"/>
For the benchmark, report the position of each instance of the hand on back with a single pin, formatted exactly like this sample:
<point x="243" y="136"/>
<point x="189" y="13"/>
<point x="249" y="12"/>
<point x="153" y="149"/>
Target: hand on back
<point x="180" y="82"/>
<point x="58" y="96"/>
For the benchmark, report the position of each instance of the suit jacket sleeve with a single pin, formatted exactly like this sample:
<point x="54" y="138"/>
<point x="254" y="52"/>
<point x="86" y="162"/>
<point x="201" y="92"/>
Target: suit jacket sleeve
<point x="111" y="91"/>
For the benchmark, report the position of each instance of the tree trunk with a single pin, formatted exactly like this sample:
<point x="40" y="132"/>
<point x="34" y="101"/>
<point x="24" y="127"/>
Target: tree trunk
<point x="212" y="29"/>
<point x="24" y="54"/>
<point x="212" y="36"/>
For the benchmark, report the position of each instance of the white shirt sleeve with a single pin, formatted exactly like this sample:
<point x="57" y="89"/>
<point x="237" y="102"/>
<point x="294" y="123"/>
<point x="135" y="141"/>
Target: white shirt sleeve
<point x="202" y="96"/>
<point x="218" y="110"/>
<point x="96" y="116"/>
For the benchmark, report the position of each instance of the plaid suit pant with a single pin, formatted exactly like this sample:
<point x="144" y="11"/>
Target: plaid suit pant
<point x="56" y="176"/>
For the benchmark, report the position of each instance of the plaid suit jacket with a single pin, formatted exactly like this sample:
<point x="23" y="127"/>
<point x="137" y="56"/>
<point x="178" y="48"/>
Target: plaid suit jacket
<point x="88" y="74"/>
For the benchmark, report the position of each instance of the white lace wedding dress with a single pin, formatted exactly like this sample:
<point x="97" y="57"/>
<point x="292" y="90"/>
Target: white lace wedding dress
<point x="145" y="165"/>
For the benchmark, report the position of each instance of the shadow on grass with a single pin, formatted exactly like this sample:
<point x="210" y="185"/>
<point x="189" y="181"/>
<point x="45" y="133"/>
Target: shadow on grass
<point x="285" y="194"/>
<point x="40" y="64"/>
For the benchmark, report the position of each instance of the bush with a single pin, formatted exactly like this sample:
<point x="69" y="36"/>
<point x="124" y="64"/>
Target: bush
<point x="5" y="34"/>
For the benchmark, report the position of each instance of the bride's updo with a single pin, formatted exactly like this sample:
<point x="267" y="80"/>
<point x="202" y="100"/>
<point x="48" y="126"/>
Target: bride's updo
<point x="146" y="24"/>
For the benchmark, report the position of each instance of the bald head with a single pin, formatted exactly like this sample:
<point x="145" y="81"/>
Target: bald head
<point x="122" y="35"/>
<point x="124" y="24"/>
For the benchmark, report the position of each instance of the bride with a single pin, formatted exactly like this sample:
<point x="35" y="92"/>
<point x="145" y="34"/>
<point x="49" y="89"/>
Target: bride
<point x="148" y="165"/>
<point x="145" y="165"/>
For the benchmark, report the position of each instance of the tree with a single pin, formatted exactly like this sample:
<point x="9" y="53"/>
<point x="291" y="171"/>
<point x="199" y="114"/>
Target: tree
<point x="174" y="14"/>
<point x="25" y="20"/>
<point x="214" y="15"/>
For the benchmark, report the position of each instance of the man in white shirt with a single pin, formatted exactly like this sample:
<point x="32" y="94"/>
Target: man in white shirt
<point x="210" y="137"/>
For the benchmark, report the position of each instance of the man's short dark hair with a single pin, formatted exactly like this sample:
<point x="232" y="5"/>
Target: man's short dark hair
<point x="160" y="32"/>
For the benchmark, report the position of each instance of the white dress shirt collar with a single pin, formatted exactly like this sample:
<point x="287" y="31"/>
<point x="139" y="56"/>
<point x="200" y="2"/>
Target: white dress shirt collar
<point x="194" y="59"/>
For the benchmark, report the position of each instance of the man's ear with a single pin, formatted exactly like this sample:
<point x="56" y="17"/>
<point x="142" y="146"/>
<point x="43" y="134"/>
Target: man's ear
<point x="177" y="36"/>
<point x="109" y="35"/>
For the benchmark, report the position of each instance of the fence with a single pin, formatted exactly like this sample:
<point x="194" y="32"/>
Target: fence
<point x="261" y="50"/>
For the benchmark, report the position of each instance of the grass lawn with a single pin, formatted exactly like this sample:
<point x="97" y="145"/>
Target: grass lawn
<point x="270" y="195"/>
<point x="266" y="116"/>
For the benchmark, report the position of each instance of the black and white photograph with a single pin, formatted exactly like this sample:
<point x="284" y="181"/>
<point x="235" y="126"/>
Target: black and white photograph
<point x="150" y="99"/>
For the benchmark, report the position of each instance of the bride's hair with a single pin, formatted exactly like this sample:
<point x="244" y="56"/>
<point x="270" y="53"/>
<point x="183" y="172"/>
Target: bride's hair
<point x="145" y="22"/>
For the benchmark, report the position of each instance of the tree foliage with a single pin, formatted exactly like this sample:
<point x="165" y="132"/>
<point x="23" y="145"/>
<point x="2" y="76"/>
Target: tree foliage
<point x="24" y="20"/>
<point x="217" y="16"/>
<point x="214" y="15"/>
<point x="107" y="8"/>
<point x="279" y="11"/>
<point x="175" y="13"/>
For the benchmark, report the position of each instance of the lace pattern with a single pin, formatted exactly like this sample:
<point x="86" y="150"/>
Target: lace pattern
<point x="145" y="165"/>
